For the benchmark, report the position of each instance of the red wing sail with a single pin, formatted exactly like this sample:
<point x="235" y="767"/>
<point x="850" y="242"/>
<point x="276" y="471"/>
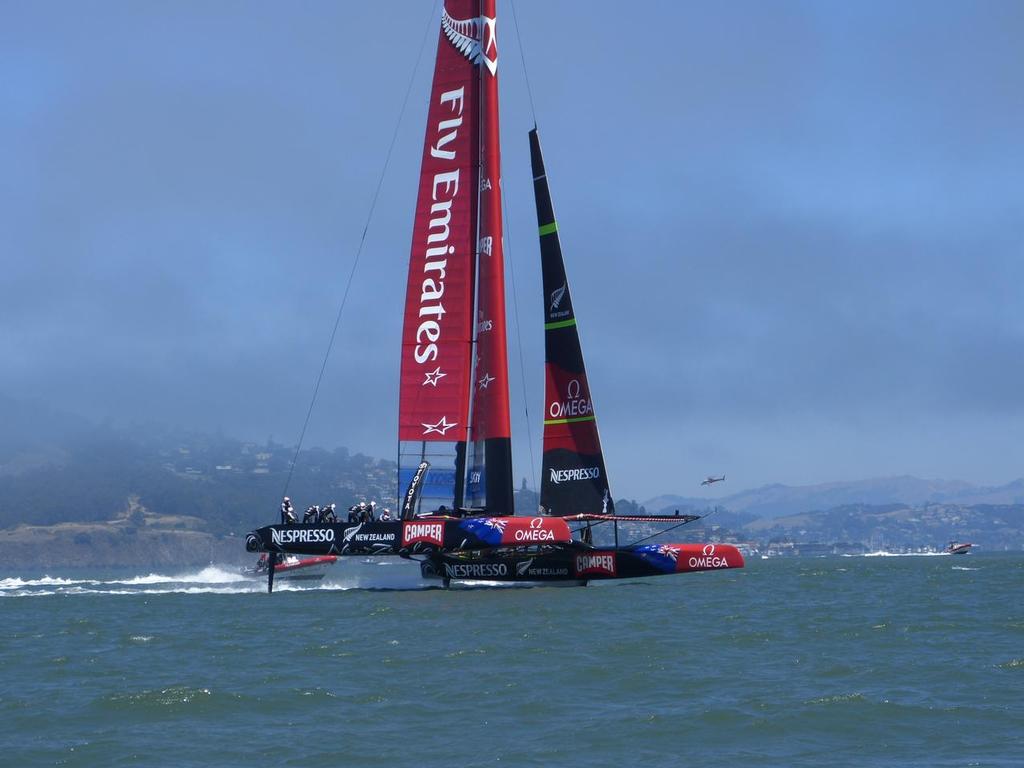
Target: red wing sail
<point x="438" y="328"/>
<point x="573" y="477"/>
<point x="489" y="480"/>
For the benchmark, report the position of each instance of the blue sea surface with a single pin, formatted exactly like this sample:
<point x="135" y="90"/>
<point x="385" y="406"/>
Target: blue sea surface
<point x="842" y="661"/>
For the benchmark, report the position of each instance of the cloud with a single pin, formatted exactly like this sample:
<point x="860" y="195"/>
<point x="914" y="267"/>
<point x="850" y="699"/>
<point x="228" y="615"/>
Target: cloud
<point x="794" y="233"/>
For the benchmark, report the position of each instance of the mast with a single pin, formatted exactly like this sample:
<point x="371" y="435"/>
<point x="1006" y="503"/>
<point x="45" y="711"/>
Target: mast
<point x="573" y="478"/>
<point x="437" y="334"/>
<point x="489" y="479"/>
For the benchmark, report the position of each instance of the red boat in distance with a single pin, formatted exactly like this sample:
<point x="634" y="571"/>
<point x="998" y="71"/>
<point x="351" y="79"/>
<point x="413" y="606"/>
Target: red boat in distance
<point x="959" y="548"/>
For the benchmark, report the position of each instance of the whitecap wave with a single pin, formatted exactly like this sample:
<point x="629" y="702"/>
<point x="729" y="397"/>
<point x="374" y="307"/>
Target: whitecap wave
<point x="212" y="579"/>
<point x="45" y="581"/>
<point x="882" y="553"/>
<point x="211" y="574"/>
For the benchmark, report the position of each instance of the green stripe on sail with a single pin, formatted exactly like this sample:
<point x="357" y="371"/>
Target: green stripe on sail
<point x="560" y="324"/>
<point x="569" y="421"/>
<point x="547" y="229"/>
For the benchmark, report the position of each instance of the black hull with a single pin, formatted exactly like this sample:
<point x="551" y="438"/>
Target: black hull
<point x="578" y="563"/>
<point x="486" y="549"/>
<point x="422" y="536"/>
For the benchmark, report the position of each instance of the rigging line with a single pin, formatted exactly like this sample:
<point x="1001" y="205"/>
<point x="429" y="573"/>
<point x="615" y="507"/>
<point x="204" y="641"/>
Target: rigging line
<point x="519" y="336"/>
<point x="359" y="248"/>
<point x="522" y="58"/>
<point x="659" y="533"/>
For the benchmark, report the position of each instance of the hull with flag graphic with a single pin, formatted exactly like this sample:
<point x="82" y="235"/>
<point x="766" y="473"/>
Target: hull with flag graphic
<point x="579" y="564"/>
<point x="409" y="537"/>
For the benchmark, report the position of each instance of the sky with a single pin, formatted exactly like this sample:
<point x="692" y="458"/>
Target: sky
<point x="794" y="230"/>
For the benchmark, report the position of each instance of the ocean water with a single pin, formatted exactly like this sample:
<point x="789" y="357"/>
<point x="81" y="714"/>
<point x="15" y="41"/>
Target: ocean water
<point x="845" y="661"/>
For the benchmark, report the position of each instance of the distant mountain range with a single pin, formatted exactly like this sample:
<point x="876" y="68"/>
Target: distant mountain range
<point x="771" y="501"/>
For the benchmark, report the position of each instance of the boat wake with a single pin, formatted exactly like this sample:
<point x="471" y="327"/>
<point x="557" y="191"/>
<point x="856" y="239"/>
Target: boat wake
<point x="213" y="579"/>
<point x="881" y="553"/>
<point x="212" y="574"/>
<point x="209" y="579"/>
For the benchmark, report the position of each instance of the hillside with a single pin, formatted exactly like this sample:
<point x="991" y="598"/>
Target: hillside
<point x="898" y="526"/>
<point x="79" y="494"/>
<point x="227" y="485"/>
<point x="779" y="500"/>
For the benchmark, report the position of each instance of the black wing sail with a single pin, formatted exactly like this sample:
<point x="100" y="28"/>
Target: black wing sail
<point x="574" y="480"/>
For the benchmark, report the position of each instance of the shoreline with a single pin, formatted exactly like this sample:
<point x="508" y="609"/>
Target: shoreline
<point x="76" y="545"/>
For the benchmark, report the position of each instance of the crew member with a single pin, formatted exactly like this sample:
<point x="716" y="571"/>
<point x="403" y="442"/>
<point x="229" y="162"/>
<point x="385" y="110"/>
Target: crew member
<point x="385" y="516"/>
<point x="288" y="512"/>
<point x="312" y="513"/>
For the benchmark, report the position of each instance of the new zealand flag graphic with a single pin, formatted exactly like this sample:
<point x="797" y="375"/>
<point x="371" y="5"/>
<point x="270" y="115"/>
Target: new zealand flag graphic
<point x="487" y="529"/>
<point x="661" y="556"/>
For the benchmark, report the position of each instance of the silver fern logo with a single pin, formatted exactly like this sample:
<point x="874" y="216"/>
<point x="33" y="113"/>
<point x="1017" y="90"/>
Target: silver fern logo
<point x="557" y="295"/>
<point x="466" y="36"/>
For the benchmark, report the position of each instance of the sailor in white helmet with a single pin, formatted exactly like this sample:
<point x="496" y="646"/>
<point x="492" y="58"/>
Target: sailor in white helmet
<point x="327" y="514"/>
<point x="288" y="512"/>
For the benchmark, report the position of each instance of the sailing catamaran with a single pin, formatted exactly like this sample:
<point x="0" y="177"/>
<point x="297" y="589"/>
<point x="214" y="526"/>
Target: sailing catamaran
<point x="455" y="456"/>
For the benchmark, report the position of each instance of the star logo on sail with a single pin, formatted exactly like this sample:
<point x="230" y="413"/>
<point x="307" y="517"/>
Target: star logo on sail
<point x="440" y="428"/>
<point x="487" y="379"/>
<point x="432" y="377"/>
